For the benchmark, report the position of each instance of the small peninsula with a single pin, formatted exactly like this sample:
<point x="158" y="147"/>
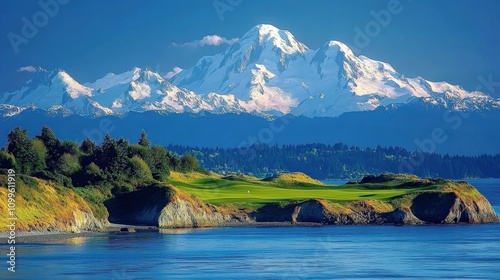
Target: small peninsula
<point x="63" y="186"/>
<point x="200" y="200"/>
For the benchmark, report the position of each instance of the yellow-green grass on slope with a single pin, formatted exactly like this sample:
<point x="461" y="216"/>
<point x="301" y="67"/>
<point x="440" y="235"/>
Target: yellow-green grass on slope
<point x="40" y="205"/>
<point x="297" y="179"/>
<point x="219" y="191"/>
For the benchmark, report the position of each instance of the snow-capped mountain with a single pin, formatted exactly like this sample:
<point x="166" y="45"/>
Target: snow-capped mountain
<point x="268" y="71"/>
<point x="143" y="90"/>
<point x="52" y="91"/>
<point x="135" y="90"/>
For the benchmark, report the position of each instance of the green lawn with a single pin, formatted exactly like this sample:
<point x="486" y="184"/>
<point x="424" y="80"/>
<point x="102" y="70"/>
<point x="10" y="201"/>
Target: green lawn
<point x="256" y="192"/>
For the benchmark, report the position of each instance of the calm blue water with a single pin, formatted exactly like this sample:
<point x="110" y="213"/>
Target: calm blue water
<point x="464" y="252"/>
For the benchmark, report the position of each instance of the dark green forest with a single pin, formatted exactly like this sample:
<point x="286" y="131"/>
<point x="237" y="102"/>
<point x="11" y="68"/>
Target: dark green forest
<point x="340" y="161"/>
<point x="121" y="166"/>
<point x="114" y="164"/>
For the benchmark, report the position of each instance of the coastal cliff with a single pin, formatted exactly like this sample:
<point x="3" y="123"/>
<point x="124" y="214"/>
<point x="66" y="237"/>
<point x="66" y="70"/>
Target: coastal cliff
<point x="431" y="202"/>
<point x="387" y="199"/>
<point x="165" y="207"/>
<point x="449" y="203"/>
<point x="45" y="206"/>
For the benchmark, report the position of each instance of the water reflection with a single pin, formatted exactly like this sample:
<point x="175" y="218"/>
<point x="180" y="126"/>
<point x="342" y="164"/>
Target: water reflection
<point x="180" y="230"/>
<point x="76" y="241"/>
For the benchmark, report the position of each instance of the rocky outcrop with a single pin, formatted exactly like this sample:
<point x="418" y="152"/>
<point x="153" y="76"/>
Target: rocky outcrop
<point x="453" y="203"/>
<point x="449" y="208"/>
<point x="325" y="212"/>
<point x="165" y="207"/>
<point x="185" y="211"/>
<point x="450" y="203"/>
<point x="85" y="220"/>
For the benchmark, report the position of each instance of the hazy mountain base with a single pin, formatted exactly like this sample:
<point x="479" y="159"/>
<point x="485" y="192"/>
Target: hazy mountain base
<point x="43" y="206"/>
<point x="407" y="127"/>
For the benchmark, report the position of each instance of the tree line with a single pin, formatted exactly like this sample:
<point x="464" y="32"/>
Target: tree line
<point x="340" y="161"/>
<point x="115" y="162"/>
<point x="123" y="165"/>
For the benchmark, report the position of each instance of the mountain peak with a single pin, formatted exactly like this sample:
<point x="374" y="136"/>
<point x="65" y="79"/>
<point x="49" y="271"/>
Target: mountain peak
<point x="341" y="46"/>
<point x="264" y="34"/>
<point x="266" y="72"/>
<point x="70" y="85"/>
<point x="266" y="28"/>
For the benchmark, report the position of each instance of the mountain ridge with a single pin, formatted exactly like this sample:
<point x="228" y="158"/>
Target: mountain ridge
<point x="268" y="73"/>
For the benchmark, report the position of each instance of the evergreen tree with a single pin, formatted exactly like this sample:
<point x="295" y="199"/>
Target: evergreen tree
<point x="175" y="163"/>
<point x="41" y="153"/>
<point x="144" y="141"/>
<point x="48" y="138"/>
<point x="189" y="163"/>
<point x="90" y="150"/>
<point x="88" y="147"/>
<point x="140" y="151"/>
<point x="113" y="158"/>
<point x="22" y="148"/>
<point x="68" y="165"/>
<point x="53" y="146"/>
<point x="159" y="163"/>
<point x="139" y="170"/>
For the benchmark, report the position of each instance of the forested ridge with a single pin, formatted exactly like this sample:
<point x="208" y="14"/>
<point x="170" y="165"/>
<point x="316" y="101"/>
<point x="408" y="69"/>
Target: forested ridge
<point x="121" y="165"/>
<point x="340" y="161"/>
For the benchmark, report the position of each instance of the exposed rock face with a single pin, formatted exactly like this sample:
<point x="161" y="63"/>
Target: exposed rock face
<point x="168" y="207"/>
<point x="448" y="208"/>
<point x="164" y="207"/>
<point x="85" y="221"/>
<point x="309" y="211"/>
<point x="454" y="203"/>
<point x="324" y="212"/>
<point x="191" y="212"/>
<point x="401" y="216"/>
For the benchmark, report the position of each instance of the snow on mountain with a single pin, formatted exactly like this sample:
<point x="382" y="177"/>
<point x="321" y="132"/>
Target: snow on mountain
<point x="7" y="110"/>
<point x="111" y="80"/>
<point x="246" y="68"/>
<point x="268" y="71"/>
<point x="144" y="90"/>
<point x="52" y="90"/>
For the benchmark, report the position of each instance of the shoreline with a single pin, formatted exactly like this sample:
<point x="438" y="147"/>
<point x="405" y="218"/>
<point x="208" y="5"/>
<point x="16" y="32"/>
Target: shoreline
<point x="27" y="237"/>
<point x="24" y="237"/>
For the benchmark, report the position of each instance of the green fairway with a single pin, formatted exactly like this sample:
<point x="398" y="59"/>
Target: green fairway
<point x="219" y="191"/>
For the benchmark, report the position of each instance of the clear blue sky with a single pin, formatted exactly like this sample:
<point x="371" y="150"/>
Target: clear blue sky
<point x="456" y="41"/>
